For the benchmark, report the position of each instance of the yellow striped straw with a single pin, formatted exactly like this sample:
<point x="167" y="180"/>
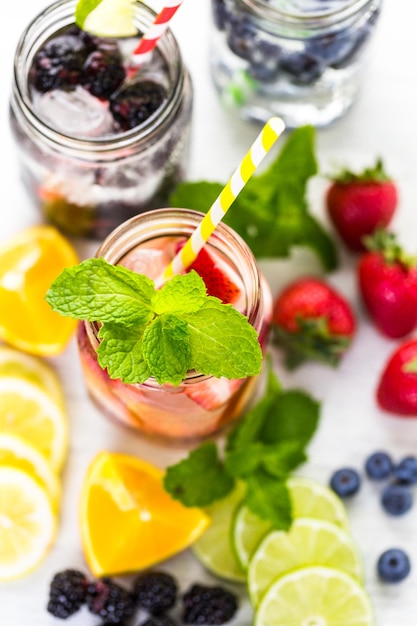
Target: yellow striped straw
<point x="259" y="149"/>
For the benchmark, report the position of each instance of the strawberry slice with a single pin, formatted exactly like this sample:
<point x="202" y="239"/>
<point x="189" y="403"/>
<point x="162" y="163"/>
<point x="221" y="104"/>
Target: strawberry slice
<point x="213" y="392"/>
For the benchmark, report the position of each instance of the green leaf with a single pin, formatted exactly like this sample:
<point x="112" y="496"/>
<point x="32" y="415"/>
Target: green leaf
<point x="166" y="349"/>
<point x="200" y="479"/>
<point x="222" y="342"/>
<point x="120" y="352"/>
<point x="94" y="290"/>
<point x="198" y="196"/>
<point x="294" y="417"/>
<point x="268" y="498"/>
<point x="182" y="294"/>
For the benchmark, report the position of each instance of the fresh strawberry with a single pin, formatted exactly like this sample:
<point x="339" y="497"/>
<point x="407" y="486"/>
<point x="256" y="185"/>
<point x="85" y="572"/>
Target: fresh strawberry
<point x="388" y="284"/>
<point x="397" y="387"/>
<point x="312" y="321"/>
<point x="358" y="204"/>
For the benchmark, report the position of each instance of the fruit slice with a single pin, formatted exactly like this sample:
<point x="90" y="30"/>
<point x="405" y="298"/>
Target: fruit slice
<point x="307" y="542"/>
<point x="218" y="277"/>
<point x="31" y="368"/>
<point x="27" y="523"/>
<point x="308" y="498"/>
<point x="16" y="452"/>
<point x="27" y="411"/>
<point x="213" y="392"/>
<point x="28" y="265"/>
<point x="106" y="18"/>
<point x="128" y="521"/>
<point x="315" y="596"/>
<point x="214" y="549"/>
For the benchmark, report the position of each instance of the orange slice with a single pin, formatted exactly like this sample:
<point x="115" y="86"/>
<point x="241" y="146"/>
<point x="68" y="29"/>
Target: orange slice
<point x="128" y="521"/>
<point x="29" y="262"/>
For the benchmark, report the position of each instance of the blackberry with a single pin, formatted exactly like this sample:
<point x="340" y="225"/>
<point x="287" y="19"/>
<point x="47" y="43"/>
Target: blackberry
<point x="67" y="593"/>
<point x="208" y="605"/>
<point x="58" y="64"/>
<point x="159" y="620"/>
<point x="155" y="591"/>
<point x="110" y="601"/>
<point x="134" y="103"/>
<point x="102" y="73"/>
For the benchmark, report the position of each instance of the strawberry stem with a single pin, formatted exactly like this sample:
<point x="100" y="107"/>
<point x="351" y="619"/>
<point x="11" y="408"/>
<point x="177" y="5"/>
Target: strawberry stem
<point x="387" y="244"/>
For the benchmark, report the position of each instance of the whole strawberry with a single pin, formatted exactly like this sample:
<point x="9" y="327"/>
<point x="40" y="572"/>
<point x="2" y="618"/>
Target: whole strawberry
<point x="397" y="387"/>
<point x="388" y="285"/>
<point x="358" y="204"/>
<point x="312" y="321"/>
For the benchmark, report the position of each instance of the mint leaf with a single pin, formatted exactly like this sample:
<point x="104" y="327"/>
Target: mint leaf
<point x="166" y="349"/>
<point x="271" y="212"/>
<point x="94" y="290"/>
<point x="182" y="294"/>
<point x="278" y="461"/>
<point x="268" y="498"/>
<point x="120" y="352"/>
<point x="199" y="479"/>
<point x="216" y="330"/>
<point x="294" y="417"/>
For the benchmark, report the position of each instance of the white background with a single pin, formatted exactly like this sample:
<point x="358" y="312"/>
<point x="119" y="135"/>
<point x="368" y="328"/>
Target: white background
<point x="383" y="122"/>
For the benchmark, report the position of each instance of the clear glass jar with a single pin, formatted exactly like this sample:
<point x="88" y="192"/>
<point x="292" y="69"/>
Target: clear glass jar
<point x="201" y="405"/>
<point x="299" y="59"/>
<point x="87" y="185"/>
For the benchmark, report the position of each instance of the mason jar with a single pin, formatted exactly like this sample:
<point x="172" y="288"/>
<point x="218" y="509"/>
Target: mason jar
<point x="299" y="59"/>
<point x="85" y="170"/>
<point x="201" y="405"/>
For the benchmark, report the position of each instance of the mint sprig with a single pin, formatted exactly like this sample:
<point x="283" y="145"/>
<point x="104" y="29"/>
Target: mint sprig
<point x="271" y="212"/>
<point x="261" y="451"/>
<point x="161" y="333"/>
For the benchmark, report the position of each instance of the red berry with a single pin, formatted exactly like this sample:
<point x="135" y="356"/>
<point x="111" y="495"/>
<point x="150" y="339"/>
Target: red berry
<point x="358" y="204"/>
<point x="218" y="283"/>
<point x="397" y="387"/>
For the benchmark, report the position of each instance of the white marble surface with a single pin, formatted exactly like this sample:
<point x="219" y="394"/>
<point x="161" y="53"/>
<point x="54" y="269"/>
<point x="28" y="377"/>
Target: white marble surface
<point x="383" y="122"/>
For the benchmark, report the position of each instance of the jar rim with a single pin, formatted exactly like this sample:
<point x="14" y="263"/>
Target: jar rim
<point x="65" y="10"/>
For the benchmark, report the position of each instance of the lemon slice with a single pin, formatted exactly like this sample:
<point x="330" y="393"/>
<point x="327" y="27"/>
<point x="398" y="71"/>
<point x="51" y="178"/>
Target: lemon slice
<point x="27" y="523"/>
<point x="16" y="452"/>
<point x="106" y="18"/>
<point x="308" y="498"/>
<point x="33" y="369"/>
<point x="28" y="411"/>
<point x="215" y="548"/>
<point x="315" y="596"/>
<point x="307" y="542"/>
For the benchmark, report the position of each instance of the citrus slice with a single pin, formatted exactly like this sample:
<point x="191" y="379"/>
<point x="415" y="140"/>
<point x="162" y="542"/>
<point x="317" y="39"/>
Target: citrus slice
<point x="308" y="499"/>
<point x="128" y="521"/>
<point x="106" y="18"/>
<point x="28" y="264"/>
<point x="307" y="542"/>
<point x="215" y="548"/>
<point x="315" y="596"/>
<point x="33" y="369"/>
<point x="28" y="411"/>
<point x="16" y="452"/>
<point x="27" y="523"/>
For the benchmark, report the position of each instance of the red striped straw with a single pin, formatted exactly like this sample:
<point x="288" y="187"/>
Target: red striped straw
<point x="155" y="32"/>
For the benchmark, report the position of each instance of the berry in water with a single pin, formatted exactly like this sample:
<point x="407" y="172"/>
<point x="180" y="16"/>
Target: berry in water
<point x="397" y="499"/>
<point x="345" y="482"/>
<point x="393" y="565"/>
<point x="155" y="591"/>
<point x="406" y="471"/>
<point x="67" y="593"/>
<point x="208" y="605"/>
<point x="241" y="36"/>
<point x="159" y="620"/>
<point x="58" y="64"/>
<point x="303" y="67"/>
<point x="135" y="102"/>
<point x="110" y="601"/>
<point x="379" y="465"/>
<point x="102" y="73"/>
<point x="218" y="284"/>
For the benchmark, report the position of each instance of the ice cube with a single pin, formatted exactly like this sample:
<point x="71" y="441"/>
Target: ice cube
<point x="151" y="258"/>
<point x="75" y="113"/>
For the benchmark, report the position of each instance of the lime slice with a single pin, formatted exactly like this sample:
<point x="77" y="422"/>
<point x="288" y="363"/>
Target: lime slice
<point x="214" y="548"/>
<point x="315" y="596"/>
<point x="106" y="18"/>
<point x="308" y="498"/>
<point x="308" y="542"/>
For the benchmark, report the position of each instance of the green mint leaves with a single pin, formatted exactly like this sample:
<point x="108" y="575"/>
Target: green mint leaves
<point x="261" y="451"/>
<point x="271" y="212"/>
<point x="162" y="333"/>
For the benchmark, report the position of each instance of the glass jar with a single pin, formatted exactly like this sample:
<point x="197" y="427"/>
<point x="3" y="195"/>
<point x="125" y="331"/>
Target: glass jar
<point x="299" y="59"/>
<point x="86" y="178"/>
<point x="201" y="405"/>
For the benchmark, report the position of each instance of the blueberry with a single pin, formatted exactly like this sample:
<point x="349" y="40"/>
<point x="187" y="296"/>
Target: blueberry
<point x="102" y="73"/>
<point x="264" y="61"/>
<point x="303" y="67"/>
<point x="397" y="499"/>
<point x="241" y="36"/>
<point x="406" y="471"/>
<point x="134" y="103"/>
<point x="345" y="482"/>
<point x="393" y="565"/>
<point x="379" y="466"/>
<point x="331" y="48"/>
<point x="219" y="12"/>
